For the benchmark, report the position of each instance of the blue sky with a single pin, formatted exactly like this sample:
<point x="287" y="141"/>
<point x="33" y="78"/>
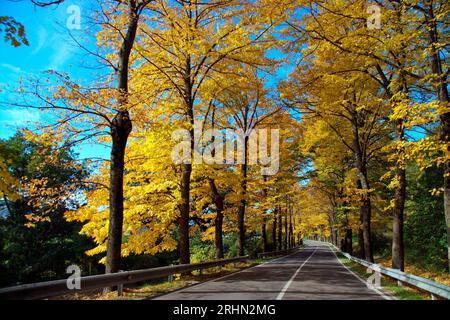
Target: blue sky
<point x="50" y="47"/>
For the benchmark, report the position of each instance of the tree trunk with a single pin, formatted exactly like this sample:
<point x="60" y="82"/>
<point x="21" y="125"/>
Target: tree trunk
<point x="365" y="208"/>
<point x="120" y="129"/>
<point x="361" y="252"/>
<point x="218" y="221"/>
<point x="264" y="237"/>
<point x="291" y="232"/>
<point x="264" y="222"/>
<point x="348" y="241"/>
<point x="286" y="233"/>
<point x="443" y="96"/>
<point x="241" y="212"/>
<point x="274" y="231"/>
<point x="367" y="235"/>
<point x="446" y="134"/>
<point x="333" y="235"/>
<point x="186" y="170"/>
<point x="280" y="230"/>
<point x="398" y="255"/>
<point x="333" y="231"/>
<point x="447" y="193"/>
<point x="184" y="214"/>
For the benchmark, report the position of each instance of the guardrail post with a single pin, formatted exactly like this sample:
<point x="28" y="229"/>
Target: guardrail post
<point x="433" y="297"/>
<point x="170" y="277"/>
<point x="120" y="288"/>
<point x="399" y="283"/>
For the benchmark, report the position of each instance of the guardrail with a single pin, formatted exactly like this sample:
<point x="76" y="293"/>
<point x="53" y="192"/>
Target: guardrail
<point x="48" y="289"/>
<point x="436" y="289"/>
<point x="277" y="253"/>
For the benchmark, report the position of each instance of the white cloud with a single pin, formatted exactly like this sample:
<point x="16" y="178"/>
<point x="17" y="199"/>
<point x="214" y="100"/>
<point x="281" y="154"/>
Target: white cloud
<point x="62" y="54"/>
<point x="19" y="117"/>
<point x="11" y="67"/>
<point x="42" y="38"/>
<point x="63" y="50"/>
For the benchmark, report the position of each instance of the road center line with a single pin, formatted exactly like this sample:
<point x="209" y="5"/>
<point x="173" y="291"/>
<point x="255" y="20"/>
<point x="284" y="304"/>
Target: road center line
<point x="286" y="286"/>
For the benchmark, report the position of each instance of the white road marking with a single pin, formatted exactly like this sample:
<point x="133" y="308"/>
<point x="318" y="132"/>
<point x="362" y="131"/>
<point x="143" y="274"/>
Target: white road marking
<point x="385" y="296"/>
<point x="226" y="276"/>
<point x="257" y="266"/>
<point x="286" y="286"/>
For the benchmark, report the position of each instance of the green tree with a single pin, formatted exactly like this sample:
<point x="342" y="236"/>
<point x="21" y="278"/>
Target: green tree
<point x="425" y="231"/>
<point x="40" y="249"/>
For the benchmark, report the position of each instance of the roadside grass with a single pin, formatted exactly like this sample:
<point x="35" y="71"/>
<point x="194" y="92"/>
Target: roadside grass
<point x="402" y="292"/>
<point x="438" y="276"/>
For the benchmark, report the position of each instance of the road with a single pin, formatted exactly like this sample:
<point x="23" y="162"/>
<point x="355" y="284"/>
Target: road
<point x="313" y="273"/>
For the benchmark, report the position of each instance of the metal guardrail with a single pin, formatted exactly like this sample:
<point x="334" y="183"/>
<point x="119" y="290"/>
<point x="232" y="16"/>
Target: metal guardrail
<point x="48" y="289"/>
<point x="428" y="285"/>
<point x="277" y="253"/>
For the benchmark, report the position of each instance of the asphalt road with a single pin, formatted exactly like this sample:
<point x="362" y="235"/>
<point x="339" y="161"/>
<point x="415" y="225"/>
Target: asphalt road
<point x="313" y="273"/>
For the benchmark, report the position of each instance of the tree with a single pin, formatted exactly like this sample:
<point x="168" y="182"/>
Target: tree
<point x="83" y="113"/>
<point x="192" y="43"/>
<point x="353" y="114"/>
<point x="151" y="196"/>
<point x="14" y="31"/>
<point x="37" y="243"/>
<point x="410" y="40"/>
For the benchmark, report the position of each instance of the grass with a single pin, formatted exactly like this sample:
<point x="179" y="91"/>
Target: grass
<point x="388" y="285"/>
<point x="149" y="290"/>
<point x="412" y="268"/>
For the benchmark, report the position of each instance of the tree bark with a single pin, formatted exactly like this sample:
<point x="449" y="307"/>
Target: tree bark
<point x="264" y="236"/>
<point x="365" y="207"/>
<point x="263" y="226"/>
<point x="242" y="206"/>
<point x="361" y="252"/>
<point x="120" y="129"/>
<point x="398" y="255"/>
<point x="348" y="241"/>
<point x="274" y="231"/>
<point x="443" y="96"/>
<point x="291" y="232"/>
<point x="367" y="235"/>
<point x="184" y="214"/>
<point x="280" y="230"/>
<point x="286" y="233"/>
<point x="218" y="221"/>
<point x="186" y="170"/>
<point x="333" y="231"/>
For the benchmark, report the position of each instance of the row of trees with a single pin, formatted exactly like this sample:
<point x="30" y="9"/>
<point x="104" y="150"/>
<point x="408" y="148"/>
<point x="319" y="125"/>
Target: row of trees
<point x="363" y="108"/>
<point x="174" y="63"/>
<point x="374" y="102"/>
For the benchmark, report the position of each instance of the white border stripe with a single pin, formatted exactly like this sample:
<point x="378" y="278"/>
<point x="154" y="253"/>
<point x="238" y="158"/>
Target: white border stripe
<point x="199" y="284"/>
<point x="385" y="296"/>
<point x="286" y="286"/>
